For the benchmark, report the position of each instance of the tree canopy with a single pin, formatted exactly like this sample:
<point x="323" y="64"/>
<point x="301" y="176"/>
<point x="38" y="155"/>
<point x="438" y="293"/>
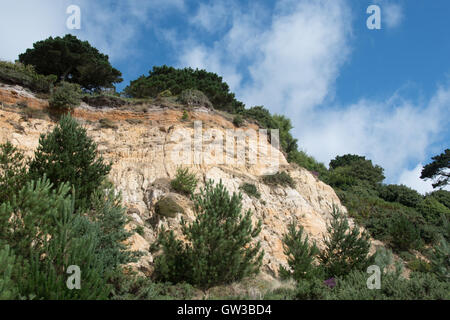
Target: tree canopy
<point x="439" y="168"/>
<point x="177" y="80"/>
<point x="72" y="60"/>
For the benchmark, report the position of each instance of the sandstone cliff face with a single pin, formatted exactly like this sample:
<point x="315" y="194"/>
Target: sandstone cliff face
<point x="142" y="150"/>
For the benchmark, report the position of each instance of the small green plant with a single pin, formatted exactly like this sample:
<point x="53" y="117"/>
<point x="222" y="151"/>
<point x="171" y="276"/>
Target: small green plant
<point x="301" y="255"/>
<point x="251" y="190"/>
<point x="140" y="230"/>
<point x="185" y="182"/>
<point x="238" y="121"/>
<point x="66" y="96"/>
<point x="279" y="179"/>
<point x="185" y="116"/>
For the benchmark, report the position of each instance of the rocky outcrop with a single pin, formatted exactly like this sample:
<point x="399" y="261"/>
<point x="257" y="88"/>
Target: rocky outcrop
<point x="142" y="150"/>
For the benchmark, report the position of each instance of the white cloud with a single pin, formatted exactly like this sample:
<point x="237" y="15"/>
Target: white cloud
<point x="293" y="62"/>
<point x="23" y="22"/>
<point x="113" y="27"/>
<point x="392" y="14"/>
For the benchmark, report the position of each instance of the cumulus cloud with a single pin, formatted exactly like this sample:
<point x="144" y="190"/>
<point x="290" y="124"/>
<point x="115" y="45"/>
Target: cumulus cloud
<point x="392" y="133"/>
<point x="290" y="63"/>
<point x="113" y="27"/>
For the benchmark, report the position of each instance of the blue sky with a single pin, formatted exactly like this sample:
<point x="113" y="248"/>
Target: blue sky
<point x="380" y="93"/>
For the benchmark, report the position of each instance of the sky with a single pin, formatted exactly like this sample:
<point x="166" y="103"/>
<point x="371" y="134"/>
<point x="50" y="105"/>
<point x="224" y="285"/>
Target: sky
<point x="382" y="93"/>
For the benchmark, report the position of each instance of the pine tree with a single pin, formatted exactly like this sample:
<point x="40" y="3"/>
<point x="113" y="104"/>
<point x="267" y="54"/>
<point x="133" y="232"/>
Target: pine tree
<point x="345" y="248"/>
<point x="13" y="174"/>
<point x="219" y="245"/>
<point x="47" y="236"/>
<point x="301" y="255"/>
<point x="8" y="287"/>
<point x="68" y="155"/>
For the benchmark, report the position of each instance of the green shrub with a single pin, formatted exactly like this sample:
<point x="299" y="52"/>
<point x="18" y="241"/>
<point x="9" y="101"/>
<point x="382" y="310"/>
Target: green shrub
<point x="219" y="246"/>
<point x="251" y="190"/>
<point x="238" y="121"/>
<point x="185" y="116"/>
<point x="419" y="265"/>
<point x="279" y="179"/>
<point x="8" y="287"/>
<point x="346" y="248"/>
<point x="401" y="194"/>
<point x="25" y="76"/>
<point x="13" y="173"/>
<point x="300" y="255"/>
<point x="404" y="234"/>
<point x="191" y="97"/>
<point x="185" y="182"/>
<point x="440" y="260"/>
<point x="443" y="196"/>
<point x="67" y="154"/>
<point x="176" y="80"/>
<point x="433" y="211"/>
<point x="48" y="238"/>
<point x="66" y="96"/>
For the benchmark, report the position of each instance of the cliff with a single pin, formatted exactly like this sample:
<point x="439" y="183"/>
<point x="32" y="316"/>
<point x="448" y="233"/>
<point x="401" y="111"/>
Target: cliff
<point x="142" y="143"/>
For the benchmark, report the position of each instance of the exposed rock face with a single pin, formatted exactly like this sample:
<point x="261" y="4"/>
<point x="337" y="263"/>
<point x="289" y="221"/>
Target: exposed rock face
<point x="142" y="153"/>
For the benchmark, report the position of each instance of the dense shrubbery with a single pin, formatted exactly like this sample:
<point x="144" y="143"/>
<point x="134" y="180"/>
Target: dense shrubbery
<point x="401" y="194"/>
<point x="26" y="76"/>
<point x="219" y="247"/>
<point x="65" y="96"/>
<point x="177" y="80"/>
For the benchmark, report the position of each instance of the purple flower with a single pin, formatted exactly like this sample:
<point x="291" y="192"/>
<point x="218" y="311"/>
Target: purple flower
<point x="331" y="283"/>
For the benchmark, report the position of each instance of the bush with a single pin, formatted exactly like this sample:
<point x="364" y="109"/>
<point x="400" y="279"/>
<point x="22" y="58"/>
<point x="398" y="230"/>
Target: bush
<point x="25" y="76"/>
<point x="404" y="234"/>
<point x="251" y="190"/>
<point x="13" y="173"/>
<point x="48" y="238"/>
<point x="433" y="211"/>
<point x="401" y="194"/>
<point x="185" y="182"/>
<point x="68" y="155"/>
<point x="238" y="121"/>
<point x="176" y="80"/>
<point x="218" y="248"/>
<point x="346" y="248"/>
<point x="66" y="96"/>
<point x="185" y="116"/>
<point x="301" y="255"/>
<point x="358" y="168"/>
<point x="279" y="179"/>
<point x="8" y="287"/>
<point x="192" y="98"/>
